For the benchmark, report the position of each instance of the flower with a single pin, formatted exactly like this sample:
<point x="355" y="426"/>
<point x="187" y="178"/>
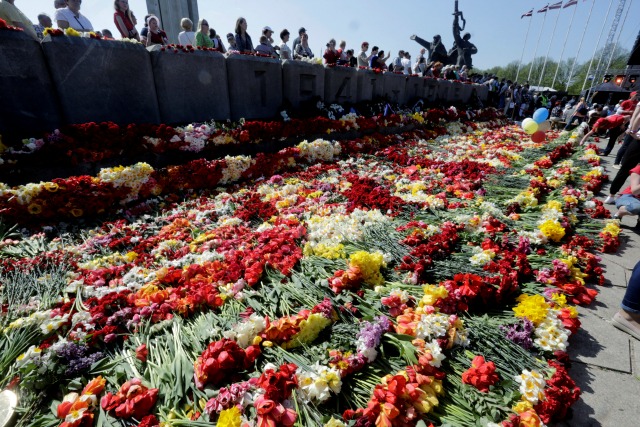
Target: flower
<point x="142" y="352"/>
<point x="133" y="400"/>
<point x="220" y="360"/>
<point x="552" y="229"/>
<point x="481" y="374"/>
<point x="230" y="418"/>
<point x="531" y="386"/>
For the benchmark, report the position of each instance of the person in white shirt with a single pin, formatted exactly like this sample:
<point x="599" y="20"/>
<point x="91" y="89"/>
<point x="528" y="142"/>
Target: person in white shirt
<point x="70" y="16"/>
<point x="406" y="63"/>
<point x="188" y="36"/>
<point x="285" y="51"/>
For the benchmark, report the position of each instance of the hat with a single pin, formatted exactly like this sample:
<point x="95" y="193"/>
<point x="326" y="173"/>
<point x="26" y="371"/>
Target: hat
<point x="267" y="28"/>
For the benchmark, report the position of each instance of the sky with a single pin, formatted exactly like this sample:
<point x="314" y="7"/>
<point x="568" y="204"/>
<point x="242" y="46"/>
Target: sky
<point x="496" y="26"/>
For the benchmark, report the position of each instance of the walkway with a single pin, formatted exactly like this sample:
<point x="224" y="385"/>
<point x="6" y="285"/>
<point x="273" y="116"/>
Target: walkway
<point x="606" y="361"/>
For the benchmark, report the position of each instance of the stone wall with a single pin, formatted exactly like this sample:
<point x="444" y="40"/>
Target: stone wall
<point x="68" y="80"/>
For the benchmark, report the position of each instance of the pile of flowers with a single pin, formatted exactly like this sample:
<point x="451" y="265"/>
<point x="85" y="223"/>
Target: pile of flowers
<point x="332" y="283"/>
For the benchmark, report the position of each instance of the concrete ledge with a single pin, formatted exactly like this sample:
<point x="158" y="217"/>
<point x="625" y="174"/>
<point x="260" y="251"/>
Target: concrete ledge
<point x="100" y="80"/>
<point x="370" y="85"/>
<point x="340" y="85"/>
<point x="255" y="86"/>
<point x="301" y="82"/>
<point x="28" y="100"/>
<point x="394" y="87"/>
<point x="191" y="86"/>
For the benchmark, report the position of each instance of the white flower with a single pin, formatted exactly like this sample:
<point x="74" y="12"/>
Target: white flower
<point x="316" y="385"/>
<point x="531" y="386"/>
<point x="432" y="326"/>
<point x="436" y="353"/>
<point x="245" y="332"/>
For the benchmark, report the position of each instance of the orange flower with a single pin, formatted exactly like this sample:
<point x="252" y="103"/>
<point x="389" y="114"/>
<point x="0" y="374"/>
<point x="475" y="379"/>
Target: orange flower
<point x="95" y="386"/>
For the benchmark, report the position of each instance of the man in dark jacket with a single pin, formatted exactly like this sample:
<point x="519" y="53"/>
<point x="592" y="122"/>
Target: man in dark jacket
<point x="437" y="51"/>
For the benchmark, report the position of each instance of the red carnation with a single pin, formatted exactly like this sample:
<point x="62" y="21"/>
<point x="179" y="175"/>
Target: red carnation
<point x="481" y="374"/>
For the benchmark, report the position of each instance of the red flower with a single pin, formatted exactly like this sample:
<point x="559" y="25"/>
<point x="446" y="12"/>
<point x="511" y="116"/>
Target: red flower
<point x="142" y="352"/>
<point x="133" y="400"/>
<point x="481" y="374"/>
<point x="221" y="360"/>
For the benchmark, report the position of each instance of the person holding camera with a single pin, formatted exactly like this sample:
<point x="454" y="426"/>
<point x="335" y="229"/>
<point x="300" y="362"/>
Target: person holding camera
<point x="331" y="55"/>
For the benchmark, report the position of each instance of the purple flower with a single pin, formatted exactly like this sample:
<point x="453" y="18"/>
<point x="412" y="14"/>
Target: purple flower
<point x="371" y="333"/>
<point x="520" y="333"/>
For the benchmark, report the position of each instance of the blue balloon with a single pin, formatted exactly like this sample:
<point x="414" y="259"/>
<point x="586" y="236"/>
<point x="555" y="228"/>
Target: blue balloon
<point x="541" y="115"/>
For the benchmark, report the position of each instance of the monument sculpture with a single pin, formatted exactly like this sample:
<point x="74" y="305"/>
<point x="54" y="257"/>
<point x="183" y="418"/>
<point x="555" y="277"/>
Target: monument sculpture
<point x="460" y="53"/>
<point x="436" y="49"/>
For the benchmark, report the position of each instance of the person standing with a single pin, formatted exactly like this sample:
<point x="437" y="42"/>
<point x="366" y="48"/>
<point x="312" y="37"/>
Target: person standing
<point x="14" y="17"/>
<point x="331" y="55"/>
<point x="44" y="22"/>
<point x="298" y="39"/>
<point x="70" y="17"/>
<point x="202" y="35"/>
<point x="243" y="39"/>
<point x="125" y="20"/>
<point x="285" y="51"/>
<point x="187" y="36"/>
<point x="303" y="50"/>
<point x="628" y="108"/>
<point x="155" y="36"/>
<point x="363" y="58"/>
<point x="406" y="63"/>
<point x="631" y="157"/>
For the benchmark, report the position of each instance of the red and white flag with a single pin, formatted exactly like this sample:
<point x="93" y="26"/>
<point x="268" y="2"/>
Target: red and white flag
<point x="528" y="14"/>
<point x="570" y="3"/>
<point x="556" y="5"/>
<point x="544" y="9"/>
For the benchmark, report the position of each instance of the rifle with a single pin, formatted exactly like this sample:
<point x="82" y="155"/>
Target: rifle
<point x="461" y="15"/>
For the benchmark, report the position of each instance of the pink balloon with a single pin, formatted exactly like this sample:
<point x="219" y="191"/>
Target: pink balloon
<point x="538" y="136"/>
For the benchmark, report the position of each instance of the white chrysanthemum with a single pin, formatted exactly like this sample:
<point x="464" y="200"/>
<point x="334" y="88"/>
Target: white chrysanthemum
<point x="318" y="384"/>
<point x="482" y="257"/>
<point x="551" y="335"/>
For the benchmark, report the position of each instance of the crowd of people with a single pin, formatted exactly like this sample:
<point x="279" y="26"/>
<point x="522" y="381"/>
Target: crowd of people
<point x="68" y="15"/>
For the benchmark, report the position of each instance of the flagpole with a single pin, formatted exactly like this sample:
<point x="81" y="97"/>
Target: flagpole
<point x="575" y="8"/>
<point x="553" y="34"/>
<point x="573" y="66"/>
<point x="526" y="37"/>
<point x="535" y="52"/>
<point x="604" y="24"/>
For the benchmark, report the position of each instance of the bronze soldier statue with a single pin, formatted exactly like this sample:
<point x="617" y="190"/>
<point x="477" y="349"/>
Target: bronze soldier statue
<point x="437" y="51"/>
<point x="460" y="53"/>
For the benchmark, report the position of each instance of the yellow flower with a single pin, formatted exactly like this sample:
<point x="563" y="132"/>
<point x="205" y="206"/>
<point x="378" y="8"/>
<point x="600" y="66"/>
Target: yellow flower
<point x="553" y="230"/>
<point x="71" y="32"/>
<point x="230" y="417"/>
<point x="76" y="212"/>
<point x="612" y="228"/>
<point x="34" y="209"/>
<point x="369" y="264"/>
<point x="522" y="406"/>
<point x="559" y="299"/>
<point x="433" y="293"/>
<point x="51" y="186"/>
<point x="309" y="331"/>
<point x="553" y="205"/>
<point x="533" y="307"/>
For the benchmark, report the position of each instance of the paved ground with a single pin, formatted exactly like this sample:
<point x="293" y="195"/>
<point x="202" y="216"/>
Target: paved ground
<point x="606" y="361"/>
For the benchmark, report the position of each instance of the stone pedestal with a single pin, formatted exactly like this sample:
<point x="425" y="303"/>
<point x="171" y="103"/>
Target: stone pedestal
<point x="28" y="103"/>
<point x="394" y="87"/>
<point x="255" y="86"/>
<point x="340" y="85"/>
<point x="301" y="82"/>
<point x="191" y="87"/>
<point x="414" y="89"/>
<point x="444" y="91"/>
<point x="370" y="85"/>
<point x="482" y="91"/>
<point x="101" y="80"/>
<point x="431" y="90"/>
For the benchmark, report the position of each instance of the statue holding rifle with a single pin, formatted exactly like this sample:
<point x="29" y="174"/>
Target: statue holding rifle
<point x="462" y="49"/>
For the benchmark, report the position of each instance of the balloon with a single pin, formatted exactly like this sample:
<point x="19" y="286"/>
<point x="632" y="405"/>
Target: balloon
<point x="538" y="136"/>
<point x="541" y="115"/>
<point x="545" y="126"/>
<point x="529" y="126"/>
